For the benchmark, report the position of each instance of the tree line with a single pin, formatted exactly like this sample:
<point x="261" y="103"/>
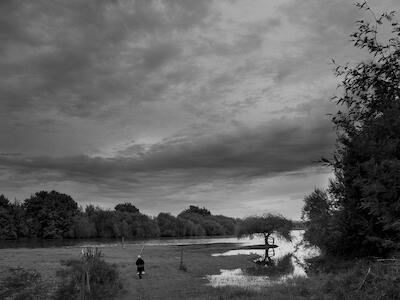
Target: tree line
<point x="53" y="215"/>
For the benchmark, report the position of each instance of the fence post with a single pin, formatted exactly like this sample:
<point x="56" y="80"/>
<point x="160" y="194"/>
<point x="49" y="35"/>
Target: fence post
<point x="181" y="264"/>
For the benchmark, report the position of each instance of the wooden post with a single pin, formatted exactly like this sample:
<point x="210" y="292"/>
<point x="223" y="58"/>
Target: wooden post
<point x="83" y="283"/>
<point x="181" y="264"/>
<point x="122" y="241"/>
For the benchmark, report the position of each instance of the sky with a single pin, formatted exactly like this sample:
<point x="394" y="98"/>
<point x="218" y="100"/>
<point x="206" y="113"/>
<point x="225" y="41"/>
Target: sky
<point x="166" y="104"/>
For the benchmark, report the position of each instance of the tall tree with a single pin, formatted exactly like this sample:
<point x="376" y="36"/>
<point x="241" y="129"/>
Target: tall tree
<point x="50" y="214"/>
<point x="366" y="163"/>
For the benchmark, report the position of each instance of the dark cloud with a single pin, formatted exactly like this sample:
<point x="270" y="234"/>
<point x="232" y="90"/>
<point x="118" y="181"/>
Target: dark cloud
<point x="76" y="57"/>
<point x="279" y="146"/>
<point x="157" y="55"/>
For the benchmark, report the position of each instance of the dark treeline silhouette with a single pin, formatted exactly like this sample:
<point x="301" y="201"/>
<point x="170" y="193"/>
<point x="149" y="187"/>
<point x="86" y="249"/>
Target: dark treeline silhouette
<point x="53" y="215"/>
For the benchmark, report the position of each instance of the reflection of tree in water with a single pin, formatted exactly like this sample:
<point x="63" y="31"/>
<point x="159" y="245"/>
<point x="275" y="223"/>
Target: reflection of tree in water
<point x="267" y="266"/>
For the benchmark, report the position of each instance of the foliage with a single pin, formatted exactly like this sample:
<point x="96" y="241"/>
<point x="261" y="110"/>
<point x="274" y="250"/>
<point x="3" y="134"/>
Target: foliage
<point x="22" y="284"/>
<point x="53" y="215"/>
<point x="321" y="221"/>
<point x="50" y="214"/>
<point x="197" y="210"/>
<point x="91" y="276"/>
<point x="212" y="227"/>
<point x="366" y="163"/>
<point x="228" y="224"/>
<point x="265" y="226"/>
<point x="168" y="224"/>
<point x="83" y="227"/>
<point x="188" y="228"/>
<point x="8" y="228"/>
<point x="126" y="207"/>
<point x="206" y="223"/>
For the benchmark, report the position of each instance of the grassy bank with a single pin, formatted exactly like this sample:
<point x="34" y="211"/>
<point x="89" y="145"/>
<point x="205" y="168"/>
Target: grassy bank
<point x="163" y="279"/>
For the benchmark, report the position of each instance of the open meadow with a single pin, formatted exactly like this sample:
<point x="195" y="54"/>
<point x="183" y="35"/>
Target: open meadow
<point x="163" y="279"/>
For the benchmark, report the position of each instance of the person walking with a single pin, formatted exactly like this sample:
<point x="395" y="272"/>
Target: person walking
<point x="140" y="266"/>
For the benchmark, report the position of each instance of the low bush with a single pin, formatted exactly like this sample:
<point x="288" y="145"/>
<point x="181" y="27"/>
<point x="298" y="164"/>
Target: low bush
<point x="90" y="278"/>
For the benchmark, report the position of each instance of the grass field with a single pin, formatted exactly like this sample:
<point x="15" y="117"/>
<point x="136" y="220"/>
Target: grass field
<point x="164" y="280"/>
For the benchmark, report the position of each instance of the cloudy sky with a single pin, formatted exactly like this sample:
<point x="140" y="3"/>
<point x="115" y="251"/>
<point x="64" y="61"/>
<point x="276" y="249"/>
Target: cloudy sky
<point x="165" y="104"/>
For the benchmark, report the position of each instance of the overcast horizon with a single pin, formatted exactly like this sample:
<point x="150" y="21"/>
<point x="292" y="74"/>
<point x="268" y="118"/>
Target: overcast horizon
<point x="166" y="104"/>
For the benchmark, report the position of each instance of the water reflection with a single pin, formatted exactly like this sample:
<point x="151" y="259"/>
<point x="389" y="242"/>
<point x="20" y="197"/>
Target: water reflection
<point x="267" y="265"/>
<point x="273" y="268"/>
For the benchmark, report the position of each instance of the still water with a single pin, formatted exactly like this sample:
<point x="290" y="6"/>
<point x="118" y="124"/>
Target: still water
<point x="40" y="243"/>
<point x="267" y="267"/>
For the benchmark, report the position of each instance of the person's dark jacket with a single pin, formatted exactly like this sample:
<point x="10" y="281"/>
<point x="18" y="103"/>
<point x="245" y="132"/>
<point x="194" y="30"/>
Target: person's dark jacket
<point x="140" y="264"/>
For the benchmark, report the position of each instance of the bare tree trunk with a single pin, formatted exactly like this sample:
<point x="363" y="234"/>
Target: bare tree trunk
<point x="266" y="236"/>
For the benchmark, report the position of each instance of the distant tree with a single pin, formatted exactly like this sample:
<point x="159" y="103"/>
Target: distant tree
<point x="197" y="210"/>
<point x="123" y="223"/>
<point x="50" y="214"/>
<point x="104" y="221"/>
<point x="265" y="226"/>
<point x="126" y="207"/>
<point x="212" y="227"/>
<point x="90" y="210"/>
<point x="8" y="229"/>
<point x="228" y="224"/>
<point x="83" y="227"/>
<point x="186" y="227"/>
<point x="4" y="202"/>
<point x="209" y="224"/>
<point x="146" y="227"/>
<point x="366" y="163"/>
<point x="18" y="212"/>
<point x="168" y="224"/>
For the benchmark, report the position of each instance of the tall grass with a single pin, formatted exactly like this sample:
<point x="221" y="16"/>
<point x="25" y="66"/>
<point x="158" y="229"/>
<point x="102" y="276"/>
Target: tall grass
<point x="22" y="284"/>
<point x="88" y="278"/>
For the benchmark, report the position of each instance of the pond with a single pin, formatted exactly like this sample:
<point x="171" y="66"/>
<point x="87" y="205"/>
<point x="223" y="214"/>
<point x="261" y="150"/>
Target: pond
<point x="267" y="266"/>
